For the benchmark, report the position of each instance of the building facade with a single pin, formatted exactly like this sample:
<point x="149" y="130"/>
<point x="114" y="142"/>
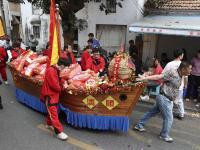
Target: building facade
<point x="111" y="29"/>
<point x="176" y="24"/>
<point x="35" y="22"/>
<point x="11" y="17"/>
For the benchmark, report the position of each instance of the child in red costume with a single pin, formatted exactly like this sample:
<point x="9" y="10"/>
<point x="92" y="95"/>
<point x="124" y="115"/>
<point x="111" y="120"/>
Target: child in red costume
<point x="50" y="95"/>
<point x="46" y="51"/>
<point x="16" y="51"/>
<point x="3" y="56"/>
<point x="86" y="55"/>
<point x="96" y="62"/>
<point x="68" y="55"/>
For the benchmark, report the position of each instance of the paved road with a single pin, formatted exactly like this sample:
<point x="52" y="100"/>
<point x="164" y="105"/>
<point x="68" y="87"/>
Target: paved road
<point x="22" y="128"/>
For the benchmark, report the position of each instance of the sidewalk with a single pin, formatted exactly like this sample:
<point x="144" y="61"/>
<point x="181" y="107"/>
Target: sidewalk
<point x="189" y="105"/>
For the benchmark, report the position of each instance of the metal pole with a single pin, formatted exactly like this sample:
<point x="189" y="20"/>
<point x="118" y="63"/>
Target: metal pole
<point x="58" y="27"/>
<point x="6" y="17"/>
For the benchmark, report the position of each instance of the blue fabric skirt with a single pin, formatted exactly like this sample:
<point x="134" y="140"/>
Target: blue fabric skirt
<point x="115" y="123"/>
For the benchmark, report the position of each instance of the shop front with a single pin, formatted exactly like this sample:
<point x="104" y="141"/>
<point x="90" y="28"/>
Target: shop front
<point x="164" y="33"/>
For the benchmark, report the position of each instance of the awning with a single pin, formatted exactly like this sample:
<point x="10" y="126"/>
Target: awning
<point x="170" y="25"/>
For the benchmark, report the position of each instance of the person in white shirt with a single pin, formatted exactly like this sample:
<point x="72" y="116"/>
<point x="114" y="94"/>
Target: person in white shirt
<point x="22" y="45"/>
<point x="173" y="65"/>
<point x="2" y="41"/>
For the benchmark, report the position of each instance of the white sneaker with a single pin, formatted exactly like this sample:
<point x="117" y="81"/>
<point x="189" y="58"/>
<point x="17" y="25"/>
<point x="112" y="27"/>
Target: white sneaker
<point x="6" y="82"/>
<point x="145" y="98"/>
<point x="167" y="139"/>
<point x="197" y="105"/>
<point x="187" y="99"/>
<point x="62" y="136"/>
<point x="195" y="100"/>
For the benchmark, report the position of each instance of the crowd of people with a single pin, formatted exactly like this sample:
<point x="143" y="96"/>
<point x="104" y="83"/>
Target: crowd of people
<point x="189" y="89"/>
<point x="172" y="76"/>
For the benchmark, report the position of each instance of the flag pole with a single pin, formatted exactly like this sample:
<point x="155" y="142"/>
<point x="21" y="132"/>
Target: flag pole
<point x="58" y="28"/>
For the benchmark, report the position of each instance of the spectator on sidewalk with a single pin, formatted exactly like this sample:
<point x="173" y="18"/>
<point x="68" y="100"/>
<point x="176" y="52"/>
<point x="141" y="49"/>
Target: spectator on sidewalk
<point x="86" y="54"/>
<point x="164" y="101"/>
<point x="3" y="57"/>
<point x="194" y="80"/>
<point x="50" y="95"/>
<point x="156" y="69"/>
<point x="173" y="65"/>
<point x="7" y="44"/>
<point x="2" y="41"/>
<point x="96" y="62"/>
<point x="33" y="43"/>
<point x="132" y="49"/>
<point x="68" y="55"/>
<point x="95" y="42"/>
<point x="164" y="60"/>
<point x="22" y="45"/>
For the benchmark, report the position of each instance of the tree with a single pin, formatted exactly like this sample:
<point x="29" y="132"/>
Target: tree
<point x="68" y="8"/>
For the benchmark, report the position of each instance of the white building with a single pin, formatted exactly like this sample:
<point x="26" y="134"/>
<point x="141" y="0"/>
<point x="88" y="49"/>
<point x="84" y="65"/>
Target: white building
<point x="111" y="29"/>
<point x="11" y="16"/>
<point x="35" y="22"/>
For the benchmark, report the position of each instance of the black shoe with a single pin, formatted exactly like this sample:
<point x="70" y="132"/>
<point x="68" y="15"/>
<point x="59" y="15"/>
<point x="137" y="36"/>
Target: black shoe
<point x="0" y="82"/>
<point x="177" y="116"/>
<point x="1" y="106"/>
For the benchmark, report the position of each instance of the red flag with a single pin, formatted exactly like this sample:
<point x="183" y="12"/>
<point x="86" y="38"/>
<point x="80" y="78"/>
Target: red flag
<point x="53" y="39"/>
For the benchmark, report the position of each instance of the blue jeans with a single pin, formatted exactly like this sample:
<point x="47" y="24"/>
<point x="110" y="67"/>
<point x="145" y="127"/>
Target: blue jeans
<point x="181" y="110"/>
<point x="165" y="106"/>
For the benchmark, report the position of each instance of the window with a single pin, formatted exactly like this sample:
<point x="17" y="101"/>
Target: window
<point x="111" y="5"/>
<point x="36" y="31"/>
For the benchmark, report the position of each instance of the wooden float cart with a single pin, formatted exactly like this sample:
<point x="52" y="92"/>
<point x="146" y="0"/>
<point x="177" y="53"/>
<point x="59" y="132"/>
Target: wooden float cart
<point x="99" y="111"/>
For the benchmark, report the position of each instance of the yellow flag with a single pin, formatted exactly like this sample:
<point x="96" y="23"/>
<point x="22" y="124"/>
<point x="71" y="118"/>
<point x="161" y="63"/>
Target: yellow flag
<point x="2" y="33"/>
<point x="54" y="47"/>
<point x="54" y="54"/>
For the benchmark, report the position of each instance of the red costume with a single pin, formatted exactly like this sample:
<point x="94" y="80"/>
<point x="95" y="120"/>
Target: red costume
<point x="3" y="64"/>
<point x="50" y="95"/>
<point x="15" y="53"/>
<point x="45" y="52"/>
<point x="96" y="65"/>
<point x="66" y="56"/>
<point x="84" y="58"/>
<point x="158" y="70"/>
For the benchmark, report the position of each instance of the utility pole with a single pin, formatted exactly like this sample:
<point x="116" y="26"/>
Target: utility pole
<point x="58" y="27"/>
<point x="2" y="14"/>
<point x="6" y="18"/>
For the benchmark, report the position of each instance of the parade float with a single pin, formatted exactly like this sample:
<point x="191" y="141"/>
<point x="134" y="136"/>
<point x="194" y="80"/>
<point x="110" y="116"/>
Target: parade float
<point x="89" y="101"/>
